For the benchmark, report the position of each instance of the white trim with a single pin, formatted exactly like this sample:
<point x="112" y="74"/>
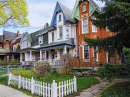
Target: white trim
<point x="82" y="25"/>
<point x="96" y="53"/>
<point x="88" y="51"/>
<point x="94" y="31"/>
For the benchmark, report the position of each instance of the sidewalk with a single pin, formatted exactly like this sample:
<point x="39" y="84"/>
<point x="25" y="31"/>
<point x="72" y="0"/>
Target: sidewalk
<point x="94" y="89"/>
<point x="6" y="91"/>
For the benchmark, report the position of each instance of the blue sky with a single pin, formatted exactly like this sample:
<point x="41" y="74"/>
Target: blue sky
<point x="40" y="12"/>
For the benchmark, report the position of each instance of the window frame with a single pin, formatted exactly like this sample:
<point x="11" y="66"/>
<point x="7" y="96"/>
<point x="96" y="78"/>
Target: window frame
<point x="93" y="30"/>
<point x="53" y="37"/>
<point x="84" y="8"/>
<point x="88" y="52"/>
<point x="96" y="53"/>
<point x="59" y="18"/>
<point x="40" y="37"/>
<point x="83" y="25"/>
<point x="7" y="46"/>
<point x="60" y="29"/>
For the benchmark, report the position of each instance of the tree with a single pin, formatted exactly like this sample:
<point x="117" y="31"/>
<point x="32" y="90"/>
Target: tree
<point x="46" y="25"/>
<point x="116" y="17"/>
<point x="13" y="13"/>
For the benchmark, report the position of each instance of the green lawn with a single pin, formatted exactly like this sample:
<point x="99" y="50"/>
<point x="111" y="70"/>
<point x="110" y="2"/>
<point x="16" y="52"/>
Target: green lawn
<point x="121" y="89"/>
<point x="4" y="80"/>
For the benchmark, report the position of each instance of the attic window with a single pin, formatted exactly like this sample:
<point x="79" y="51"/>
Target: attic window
<point x="59" y="17"/>
<point x="40" y="39"/>
<point x="84" y="8"/>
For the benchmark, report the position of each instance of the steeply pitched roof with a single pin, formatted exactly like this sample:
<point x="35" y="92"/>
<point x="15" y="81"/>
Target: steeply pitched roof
<point x="1" y="39"/>
<point x="92" y="8"/>
<point x="66" y="14"/>
<point x="28" y="36"/>
<point x="9" y="35"/>
<point x="17" y="40"/>
<point x="42" y="31"/>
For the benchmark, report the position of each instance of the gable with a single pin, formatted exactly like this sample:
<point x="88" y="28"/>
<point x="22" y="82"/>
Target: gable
<point x="92" y="8"/>
<point x="66" y="14"/>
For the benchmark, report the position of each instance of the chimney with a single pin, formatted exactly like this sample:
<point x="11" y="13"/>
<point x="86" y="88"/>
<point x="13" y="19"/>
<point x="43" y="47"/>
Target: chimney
<point x="18" y="33"/>
<point x="26" y="31"/>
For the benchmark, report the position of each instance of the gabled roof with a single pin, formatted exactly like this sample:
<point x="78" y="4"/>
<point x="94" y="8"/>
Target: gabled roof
<point x="92" y="8"/>
<point x="9" y="35"/>
<point x="28" y="36"/>
<point x="66" y="14"/>
<point x="17" y="40"/>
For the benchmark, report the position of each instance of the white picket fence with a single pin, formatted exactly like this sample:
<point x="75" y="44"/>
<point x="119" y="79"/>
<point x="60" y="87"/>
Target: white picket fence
<point x="44" y="89"/>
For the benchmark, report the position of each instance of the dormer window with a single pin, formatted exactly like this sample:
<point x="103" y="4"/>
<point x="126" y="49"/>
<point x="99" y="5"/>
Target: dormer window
<point x="59" y="17"/>
<point x="40" y="39"/>
<point x="84" y="8"/>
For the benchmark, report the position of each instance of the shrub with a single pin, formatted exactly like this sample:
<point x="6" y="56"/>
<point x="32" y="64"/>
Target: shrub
<point x="112" y="71"/>
<point x="69" y="71"/>
<point x="62" y="70"/>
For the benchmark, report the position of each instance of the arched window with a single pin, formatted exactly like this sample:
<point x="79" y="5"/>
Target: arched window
<point x="84" y="8"/>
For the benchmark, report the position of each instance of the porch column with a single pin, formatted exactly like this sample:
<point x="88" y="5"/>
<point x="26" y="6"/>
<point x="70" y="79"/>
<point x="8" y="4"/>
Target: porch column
<point x="65" y="51"/>
<point x="12" y="56"/>
<point x="20" y="57"/>
<point x="40" y="54"/>
<point x="30" y="55"/>
<point x="45" y="55"/>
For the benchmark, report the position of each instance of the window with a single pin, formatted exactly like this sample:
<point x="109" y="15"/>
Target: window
<point x="7" y="46"/>
<point x="52" y="36"/>
<point x="67" y="31"/>
<point x="23" y="57"/>
<point x="14" y="47"/>
<point x="59" y="17"/>
<point x="85" y="25"/>
<point x="94" y="28"/>
<point x="7" y="58"/>
<point x="61" y="52"/>
<point x="86" y="52"/>
<point x="107" y="30"/>
<point x="43" y="55"/>
<point x="84" y="8"/>
<point x="4" y="46"/>
<point x="40" y="39"/>
<point x="27" y="43"/>
<point x="95" y="52"/>
<point x="60" y="32"/>
<point x="68" y="50"/>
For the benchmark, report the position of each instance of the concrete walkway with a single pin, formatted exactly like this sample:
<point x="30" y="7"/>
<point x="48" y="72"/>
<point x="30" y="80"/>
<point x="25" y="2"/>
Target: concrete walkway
<point x="6" y="91"/>
<point x="94" y="89"/>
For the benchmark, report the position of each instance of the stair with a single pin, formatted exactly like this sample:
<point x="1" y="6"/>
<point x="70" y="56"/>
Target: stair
<point x="94" y="73"/>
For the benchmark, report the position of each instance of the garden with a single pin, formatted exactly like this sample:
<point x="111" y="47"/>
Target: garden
<point x="44" y="73"/>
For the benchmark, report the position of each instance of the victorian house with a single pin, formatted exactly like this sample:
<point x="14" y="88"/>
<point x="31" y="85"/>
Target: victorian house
<point x="51" y="42"/>
<point x="83" y="10"/>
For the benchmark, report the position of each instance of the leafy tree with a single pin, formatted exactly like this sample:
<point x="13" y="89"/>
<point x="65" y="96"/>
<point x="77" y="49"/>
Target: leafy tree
<point x="13" y="13"/>
<point x="116" y="17"/>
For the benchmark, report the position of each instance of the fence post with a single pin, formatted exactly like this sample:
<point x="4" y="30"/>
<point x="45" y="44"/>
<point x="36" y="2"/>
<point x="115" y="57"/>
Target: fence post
<point x="19" y="82"/>
<point x="75" y="84"/>
<point x="54" y="89"/>
<point x="9" y="78"/>
<point x="32" y="85"/>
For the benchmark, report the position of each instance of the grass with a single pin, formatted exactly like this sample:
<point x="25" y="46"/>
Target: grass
<point x="121" y="89"/>
<point x="4" y="80"/>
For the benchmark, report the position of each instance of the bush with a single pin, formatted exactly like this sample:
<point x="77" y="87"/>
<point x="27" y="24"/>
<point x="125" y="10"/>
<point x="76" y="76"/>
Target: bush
<point x="121" y="89"/>
<point x="112" y="71"/>
<point x="3" y="63"/>
<point x="62" y="70"/>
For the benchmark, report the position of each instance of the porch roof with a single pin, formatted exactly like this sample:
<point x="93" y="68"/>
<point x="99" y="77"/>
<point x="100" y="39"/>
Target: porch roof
<point x="29" y="48"/>
<point x="14" y="53"/>
<point x="57" y="45"/>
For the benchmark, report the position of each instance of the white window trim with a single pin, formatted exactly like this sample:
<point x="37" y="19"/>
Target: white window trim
<point x="88" y="50"/>
<point x="82" y="26"/>
<point x="94" y="25"/>
<point x="59" y="31"/>
<point x="97" y="53"/>
<point x="39" y="39"/>
<point x="51" y="37"/>
<point x="107" y="30"/>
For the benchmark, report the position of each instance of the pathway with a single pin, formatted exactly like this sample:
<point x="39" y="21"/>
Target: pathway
<point x="6" y="91"/>
<point x="93" y="90"/>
